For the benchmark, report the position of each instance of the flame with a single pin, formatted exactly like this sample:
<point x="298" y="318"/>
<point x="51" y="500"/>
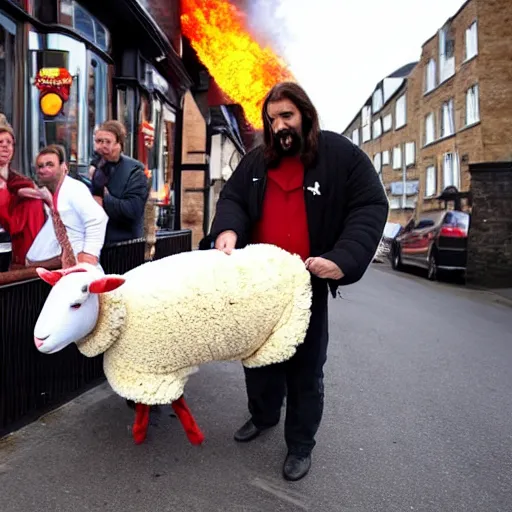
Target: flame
<point x="242" y="68"/>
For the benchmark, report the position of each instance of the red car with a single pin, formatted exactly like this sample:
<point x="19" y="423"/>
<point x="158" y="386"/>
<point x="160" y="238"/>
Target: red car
<point x="437" y="242"/>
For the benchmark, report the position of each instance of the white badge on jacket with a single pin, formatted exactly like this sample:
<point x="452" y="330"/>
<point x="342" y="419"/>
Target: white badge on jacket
<point x="316" y="189"/>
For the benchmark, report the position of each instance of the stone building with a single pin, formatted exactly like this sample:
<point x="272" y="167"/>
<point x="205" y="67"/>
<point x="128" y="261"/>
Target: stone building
<point x="458" y="100"/>
<point x="386" y="131"/>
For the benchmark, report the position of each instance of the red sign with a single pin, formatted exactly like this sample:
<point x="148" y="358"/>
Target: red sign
<point x="54" y="85"/>
<point x="57" y="80"/>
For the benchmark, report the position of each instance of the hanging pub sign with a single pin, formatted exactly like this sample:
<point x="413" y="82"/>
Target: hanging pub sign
<point x="54" y="85"/>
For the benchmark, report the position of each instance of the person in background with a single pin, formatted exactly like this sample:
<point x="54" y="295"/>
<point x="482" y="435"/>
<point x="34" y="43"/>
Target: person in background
<point x="85" y="222"/>
<point x="20" y="216"/>
<point x="118" y="183"/>
<point x="317" y="195"/>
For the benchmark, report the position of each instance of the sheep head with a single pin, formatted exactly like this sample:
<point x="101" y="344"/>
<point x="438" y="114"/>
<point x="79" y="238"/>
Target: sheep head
<point x="71" y="309"/>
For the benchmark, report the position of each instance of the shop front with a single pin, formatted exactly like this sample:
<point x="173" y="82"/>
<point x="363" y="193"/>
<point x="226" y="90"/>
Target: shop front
<point x="65" y="67"/>
<point x="68" y="66"/>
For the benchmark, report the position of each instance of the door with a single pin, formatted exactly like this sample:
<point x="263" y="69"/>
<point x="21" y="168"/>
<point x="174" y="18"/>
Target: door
<point x="417" y="244"/>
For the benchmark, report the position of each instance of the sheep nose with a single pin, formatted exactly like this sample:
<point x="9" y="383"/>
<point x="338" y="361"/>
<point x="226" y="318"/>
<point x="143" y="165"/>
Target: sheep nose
<point x="38" y="342"/>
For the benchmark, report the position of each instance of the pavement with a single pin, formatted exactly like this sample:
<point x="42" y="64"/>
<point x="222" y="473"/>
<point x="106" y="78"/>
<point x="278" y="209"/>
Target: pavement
<point x="506" y="293"/>
<point x="418" y="417"/>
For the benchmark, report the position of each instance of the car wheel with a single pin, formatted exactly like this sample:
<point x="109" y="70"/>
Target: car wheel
<point x="432" y="271"/>
<point x="396" y="259"/>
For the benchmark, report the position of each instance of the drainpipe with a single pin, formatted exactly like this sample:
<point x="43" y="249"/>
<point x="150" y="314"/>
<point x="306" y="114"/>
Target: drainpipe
<point x="178" y="149"/>
<point x="207" y="180"/>
<point x="404" y="177"/>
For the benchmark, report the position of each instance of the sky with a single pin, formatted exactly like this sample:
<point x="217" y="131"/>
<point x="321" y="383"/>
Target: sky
<point x="340" y="49"/>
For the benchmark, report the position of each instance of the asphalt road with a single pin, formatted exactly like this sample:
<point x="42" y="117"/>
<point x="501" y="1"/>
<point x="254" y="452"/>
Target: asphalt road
<point x="418" y="417"/>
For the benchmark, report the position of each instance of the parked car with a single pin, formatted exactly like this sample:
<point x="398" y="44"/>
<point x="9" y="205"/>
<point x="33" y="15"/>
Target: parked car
<point x="391" y="231"/>
<point x="437" y="242"/>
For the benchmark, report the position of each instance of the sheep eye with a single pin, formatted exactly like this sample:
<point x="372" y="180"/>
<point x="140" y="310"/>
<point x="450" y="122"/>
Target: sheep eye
<point x="85" y="288"/>
<point x="75" y="306"/>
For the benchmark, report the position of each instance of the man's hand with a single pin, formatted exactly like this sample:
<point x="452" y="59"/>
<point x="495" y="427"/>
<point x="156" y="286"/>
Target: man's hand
<point x="84" y="257"/>
<point x="99" y="183"/>
<point x="226" y="241"/>
<point x="324" y="268"/>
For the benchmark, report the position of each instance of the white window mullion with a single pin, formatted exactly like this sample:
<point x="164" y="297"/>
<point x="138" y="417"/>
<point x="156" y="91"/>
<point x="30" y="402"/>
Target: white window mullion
<point x="456" y="171"/>
<point x="472" y="41"/>
<point x="430" y="181"/>
<point x="447" y="170"/>
<point x="451" y="117"/>
<point x="410" y="153"/>
<point x="377" y="163"/>
<point x="397" y="158"/>
<point x="387" y="123"/>
<point x="472" y="106"/>
<point x="355" y="136"/>
<point x="429" y="129"/>
<point x="401" y="112"/>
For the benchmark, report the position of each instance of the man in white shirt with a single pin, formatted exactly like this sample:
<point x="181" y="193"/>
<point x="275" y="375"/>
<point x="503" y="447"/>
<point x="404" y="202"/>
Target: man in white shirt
<point x="84" y="219"/>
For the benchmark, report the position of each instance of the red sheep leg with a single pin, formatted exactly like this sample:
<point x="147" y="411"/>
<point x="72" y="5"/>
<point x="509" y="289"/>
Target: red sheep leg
<point x="140" y="426"/>
<point x="194" y="434"/>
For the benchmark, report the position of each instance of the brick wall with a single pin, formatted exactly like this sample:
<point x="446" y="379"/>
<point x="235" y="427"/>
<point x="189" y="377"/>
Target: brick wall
<point x="490" y="236"/>
<point x="193" y="152"/>
<point x="495" y="77"/>
<point x="194" y="132"/>
<point x="466" y="141"/>
<point x="192" y="204"/>
<point x="395" y="138"/>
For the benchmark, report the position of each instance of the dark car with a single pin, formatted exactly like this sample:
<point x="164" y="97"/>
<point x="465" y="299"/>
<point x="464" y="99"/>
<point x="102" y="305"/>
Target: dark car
<point x="437" y="242"/>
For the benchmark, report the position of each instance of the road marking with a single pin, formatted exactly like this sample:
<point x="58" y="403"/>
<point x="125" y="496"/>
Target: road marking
<point x="293" y="497"/>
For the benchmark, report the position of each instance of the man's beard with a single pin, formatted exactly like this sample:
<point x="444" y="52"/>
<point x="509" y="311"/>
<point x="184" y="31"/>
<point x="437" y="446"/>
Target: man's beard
<point x="288" y="142"/>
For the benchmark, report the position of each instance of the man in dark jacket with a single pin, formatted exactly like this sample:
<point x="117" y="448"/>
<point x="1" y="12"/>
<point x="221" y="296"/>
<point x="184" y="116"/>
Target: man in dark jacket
<point x="316" y="194"/>
<point x="119" y="184"/>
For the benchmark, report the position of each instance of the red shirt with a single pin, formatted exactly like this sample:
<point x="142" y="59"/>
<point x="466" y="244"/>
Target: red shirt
<point x="21" y="218"/>
<point x="284" y="221"/>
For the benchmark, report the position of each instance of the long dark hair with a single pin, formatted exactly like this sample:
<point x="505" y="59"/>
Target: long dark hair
<point x="310" y="124"/>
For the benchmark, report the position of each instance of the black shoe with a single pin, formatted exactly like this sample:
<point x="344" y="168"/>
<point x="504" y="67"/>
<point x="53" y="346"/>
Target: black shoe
<point x="247" y="432"/>
<point x="296" y="466"/>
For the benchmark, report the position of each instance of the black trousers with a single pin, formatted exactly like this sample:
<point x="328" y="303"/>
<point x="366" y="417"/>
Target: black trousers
<point x="300" y="379"/>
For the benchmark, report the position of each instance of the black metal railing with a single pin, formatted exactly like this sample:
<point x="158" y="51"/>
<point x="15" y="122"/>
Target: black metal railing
<point x="172" y="242"/>
<point x="31" y="382"/>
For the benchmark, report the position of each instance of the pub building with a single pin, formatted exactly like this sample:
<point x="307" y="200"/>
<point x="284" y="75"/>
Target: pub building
<point x="67" y="66"/>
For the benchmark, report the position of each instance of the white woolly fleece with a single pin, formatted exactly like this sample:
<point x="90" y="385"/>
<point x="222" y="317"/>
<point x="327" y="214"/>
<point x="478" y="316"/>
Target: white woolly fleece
<point x="176" y="313"/>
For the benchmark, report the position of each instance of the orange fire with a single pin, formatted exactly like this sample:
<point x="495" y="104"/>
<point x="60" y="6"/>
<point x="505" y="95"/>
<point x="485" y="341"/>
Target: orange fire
<point x="242" y="68"/>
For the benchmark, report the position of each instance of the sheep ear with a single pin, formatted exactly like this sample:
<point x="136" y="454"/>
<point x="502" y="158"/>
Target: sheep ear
<point x="106" y="284"/>
<point x="47" y="276"/>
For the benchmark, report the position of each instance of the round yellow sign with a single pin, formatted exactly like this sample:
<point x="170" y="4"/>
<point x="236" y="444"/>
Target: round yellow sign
<point x="51" y="104"/>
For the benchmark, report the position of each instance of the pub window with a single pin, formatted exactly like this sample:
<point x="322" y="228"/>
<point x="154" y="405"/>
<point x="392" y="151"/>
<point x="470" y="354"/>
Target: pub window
<point x="126" y="114"/>
<point x="83" y="22"/>
<point x="65" y="121"/>
<point x="74" y="15"/>
<point x="98" y="93"/>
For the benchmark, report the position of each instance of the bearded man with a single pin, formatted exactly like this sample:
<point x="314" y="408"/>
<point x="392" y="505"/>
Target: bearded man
<point x="313" y="193"/>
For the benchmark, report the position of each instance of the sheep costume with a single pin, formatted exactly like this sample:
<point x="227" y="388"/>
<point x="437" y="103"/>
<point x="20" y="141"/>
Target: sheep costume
<point x="158" y="322"/>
